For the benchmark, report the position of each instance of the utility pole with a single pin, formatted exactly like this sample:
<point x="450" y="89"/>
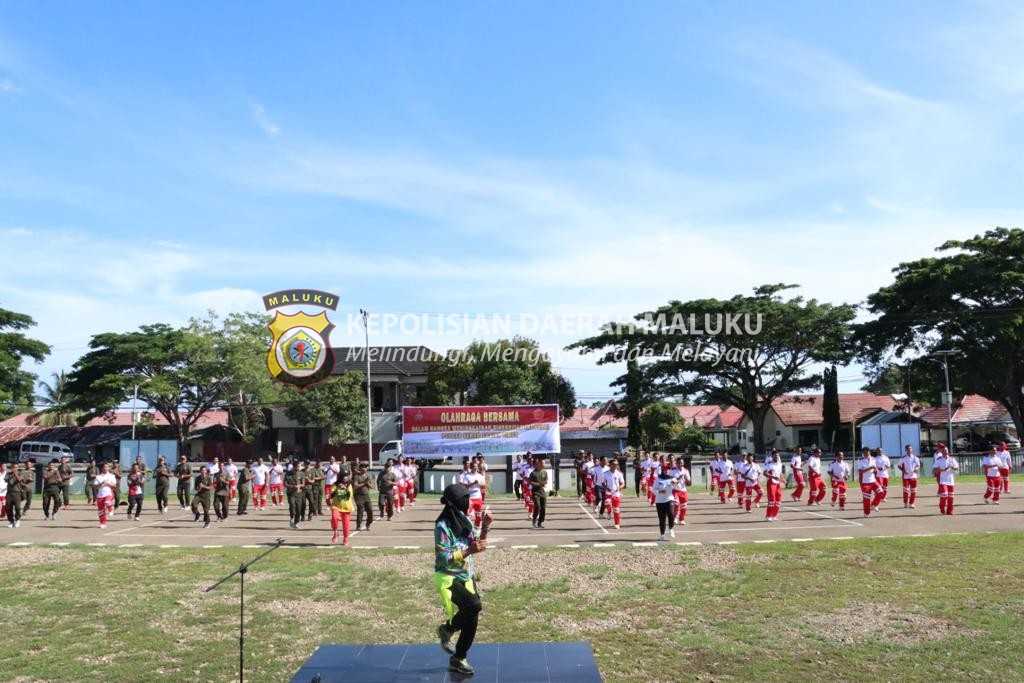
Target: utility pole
<point x="947" y="397"/>
<point x="369" y="410"/>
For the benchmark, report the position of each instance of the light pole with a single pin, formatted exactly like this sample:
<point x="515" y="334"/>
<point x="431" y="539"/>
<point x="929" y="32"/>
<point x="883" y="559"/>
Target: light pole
<point x="369" y="414"/>
<point x="948" y="395"/>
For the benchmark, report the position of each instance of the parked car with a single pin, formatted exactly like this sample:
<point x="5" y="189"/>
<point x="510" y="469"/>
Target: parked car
<point x="43" y="451"/>
<point x="391" y="449"/>
<point x="996" y="438"/>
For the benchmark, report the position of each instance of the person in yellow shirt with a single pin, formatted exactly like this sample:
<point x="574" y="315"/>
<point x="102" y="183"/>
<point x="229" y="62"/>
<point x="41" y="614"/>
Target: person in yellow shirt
<point x="341" y="506"/>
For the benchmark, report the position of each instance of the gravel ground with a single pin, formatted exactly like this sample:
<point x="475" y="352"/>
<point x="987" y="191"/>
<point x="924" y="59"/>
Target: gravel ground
<point x="860" y="622"/>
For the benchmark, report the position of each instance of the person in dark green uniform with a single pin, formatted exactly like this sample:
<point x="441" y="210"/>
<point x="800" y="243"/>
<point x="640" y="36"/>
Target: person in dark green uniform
<point x="162" y="483"/>
<point x="294" y="482"/>
<point x="28" y="475"/>
<point x="203" y="496"/>
<point x="386" y="489"/>
<point x="361" y="485"/>
<point x="244" y="483"/>
<point x="15" y="495"/>
<point x="221" y="491"/>
<point x="51" y="490"/>
<point x="318" y="488"/>
<point x="90" y="474"/>
<point x="309" y="501"/>
<point x="66" y="474"/>
<point x="538" y="485"/>
<point x="183" y="471"/>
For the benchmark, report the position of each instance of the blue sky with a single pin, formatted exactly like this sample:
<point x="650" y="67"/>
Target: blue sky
<point x="160" y="159"/>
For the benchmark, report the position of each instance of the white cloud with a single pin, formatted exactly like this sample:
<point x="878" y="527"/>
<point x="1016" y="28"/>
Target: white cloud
<point x="263" y="120"/>
<point x="10" y="87"/>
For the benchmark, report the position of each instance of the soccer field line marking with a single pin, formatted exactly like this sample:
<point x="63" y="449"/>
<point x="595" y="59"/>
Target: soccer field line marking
<point x="212" y="547"/>
<point x="408" y="547"/>
<point x="21" y="543"/>
<point x="366" y="547"/>
<point x="604" y="545"/>
<point x="822" y="515"/>
<point x="801" y="540"/>
<point x="60" y="544"/>
<point x="170" y="546"/>
<point x="690" y="543"/>
<point x="524" y="547"/>
<point x="143" y="526"/>
<point x="568" y="545"/>
<point x="645" y="544"/>
<point x="252" y="546"/>
<point x="592" y="518"/>
<point x="838" y="538"/>
<point x="97" y="545"/>
<point x="766" y="540"/>
<point x="922" y="535"/>
<point x="726" y="542"/>
<point x="130" y="545"/>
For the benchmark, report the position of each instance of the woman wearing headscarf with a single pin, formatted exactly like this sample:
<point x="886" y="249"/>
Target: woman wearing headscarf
<point x="454" y="545"/>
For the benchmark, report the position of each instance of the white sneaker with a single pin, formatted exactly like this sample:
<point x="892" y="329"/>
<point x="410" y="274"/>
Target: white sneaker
<point x="17" y="524"/>
<point x="662" y="539"/>
<point x="103" y="526"/>
<point x="672" y="533"/>
<point x="617" y="526"/>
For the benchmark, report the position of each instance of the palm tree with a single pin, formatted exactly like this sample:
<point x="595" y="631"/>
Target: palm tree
<point x="55" y="397"/>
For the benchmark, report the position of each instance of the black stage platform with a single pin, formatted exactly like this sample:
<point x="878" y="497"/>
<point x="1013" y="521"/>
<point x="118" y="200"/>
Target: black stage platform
<point x="493" y="662"/>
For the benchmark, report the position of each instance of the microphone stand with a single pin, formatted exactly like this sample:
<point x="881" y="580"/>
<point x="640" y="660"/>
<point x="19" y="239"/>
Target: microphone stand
<point x="241" y="571"/>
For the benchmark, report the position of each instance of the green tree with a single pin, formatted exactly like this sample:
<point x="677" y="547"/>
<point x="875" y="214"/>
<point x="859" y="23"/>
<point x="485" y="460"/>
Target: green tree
<point x="17" y="385"/>
<point x="178" y="373"/>
<point x="248" y="390"/>
<point x="506" y="372"/>
<point x="338" y="405"/>
<point x="690" y="437"/>
<point x="690" y="348"/>
<point x="830" y="407"/>
<point x="920" y="380"/>
<point x="55" y="397"/>
<point x="661" y="423"/>
<point x="636" y="397"/>
<point x="970" y="298"/>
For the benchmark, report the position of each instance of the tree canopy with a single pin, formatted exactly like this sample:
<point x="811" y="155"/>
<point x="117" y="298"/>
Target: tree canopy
<point x="17" y="386"/>
<point x="661" y="423"/>
<point x="744" y="351"/>
<point x="506" y="372"/>
<point x="971" y="299"/>
<point x="338" y="404"/>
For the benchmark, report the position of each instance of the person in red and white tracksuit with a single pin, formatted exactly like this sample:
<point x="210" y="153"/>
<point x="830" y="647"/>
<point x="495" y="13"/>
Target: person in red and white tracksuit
<point x="3" y="489"/>
<point x="613" y="483"/>
<point x="816" y="494"/>
<point x="653" y="470"/>
<point x="588" y="480"/>
<point x="232" y="471"/>
<point x="715" y="469"/>
<point x="909" y="466"/>
<point x="740" y="474"/>
<point x="680" y="481"/>
<point x="990" y="465"/>
<point x="260" y="474"/>
<point x="752" y="475"/>
<point x="103" y="485"/>
<point x="870" y="491"/>
<point x="945" y="469"/>
<point x="1006" y="465"/>
<point x="839" y="474"/>
<point x="773" y="480"/>
<point x="276" y="478"/>
<point x="474" y="482"/>
<point x="527" y="470"/>
<point x="882" y="467"/>
<point x="796" y="465"/>
<point x="726" y="478"/>
<point x="331" y="469"/>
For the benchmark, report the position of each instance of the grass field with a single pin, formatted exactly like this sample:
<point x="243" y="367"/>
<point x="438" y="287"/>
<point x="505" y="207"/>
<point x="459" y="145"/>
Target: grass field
<point x="907" y="609"/>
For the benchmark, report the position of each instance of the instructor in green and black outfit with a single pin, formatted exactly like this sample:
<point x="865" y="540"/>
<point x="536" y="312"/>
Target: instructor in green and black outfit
<point x="539" y="489"/>
<point x="184" y="474"/>
<point x="162" y="483"/>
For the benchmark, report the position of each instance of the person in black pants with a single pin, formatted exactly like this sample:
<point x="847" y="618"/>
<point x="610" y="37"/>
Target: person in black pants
<point x="184" y="474"/>
<point x="539" y="488"/>
<point x="664" y="500"/>
<point x="638" y="474"/>
<point x="136" y="482"/>
<point x="162" y="483"/>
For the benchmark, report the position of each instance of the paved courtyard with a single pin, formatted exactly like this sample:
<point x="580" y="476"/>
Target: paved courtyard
<point x="569" y="523"/>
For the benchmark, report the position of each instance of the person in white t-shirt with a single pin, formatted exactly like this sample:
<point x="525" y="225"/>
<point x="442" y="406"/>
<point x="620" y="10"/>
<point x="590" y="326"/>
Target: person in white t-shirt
<point x="597" y="473"/>
<point x="474" y="482"/>
<point x="715" y="469"/>
<point x="331" y="470"/>
<point x="613" y="483"/>
<point x="681" y="479"/>
<point x="726" y="487"/>
<point x="232" y="471"/>
<point x="990" y="466"/>
<point x="815" y="481"/>
<point x="664" y="499"/>
<point x="103" y="485"/>
<point x="882" y="467"/>
<point x="870" y="491"/>
<point x="910" y="467"/>
<point x="260" y="472"/>
<point x="1006" y="465"/>
<point x="653" y="470"/>
<point x="945" y="468"/>
<point x="752" y="475"/>
<point x="3" y="490"/>
<point x="796" y="466"/>
<point x="740" y="475"/>
<point x="276" y="483"/>
<point x="214" y="466"/>
<point x="839" y="474"/>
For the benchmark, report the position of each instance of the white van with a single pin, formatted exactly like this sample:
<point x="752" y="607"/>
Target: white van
<point x="392" y="449"/>
<point x="43" y="451"/>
